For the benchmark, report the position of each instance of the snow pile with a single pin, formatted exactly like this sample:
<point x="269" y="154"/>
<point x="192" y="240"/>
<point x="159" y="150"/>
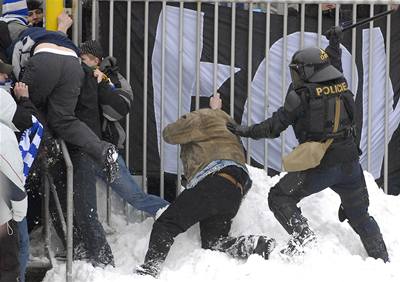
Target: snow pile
<point x="339" y="256"/>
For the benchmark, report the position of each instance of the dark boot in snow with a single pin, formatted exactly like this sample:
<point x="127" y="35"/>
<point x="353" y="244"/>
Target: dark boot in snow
<point x="104" y="257"/>
<point x="302" y="236"/>
<point x="148" y="268"/>
<point x="264" y="246"/>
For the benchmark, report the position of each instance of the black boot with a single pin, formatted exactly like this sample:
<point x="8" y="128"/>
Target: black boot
<point x="264" y="246"/>
<point x="149" y="268"/>
<point x="376" y="248"/>
<point x="302" y="236"/>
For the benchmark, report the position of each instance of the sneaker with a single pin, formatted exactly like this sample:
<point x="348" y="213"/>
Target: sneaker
<point x="299" y="241"/>
<point x="264" y="246"/>
<point x="147" y="269"/>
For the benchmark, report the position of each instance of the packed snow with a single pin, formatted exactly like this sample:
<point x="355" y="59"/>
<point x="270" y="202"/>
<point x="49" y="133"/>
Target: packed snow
<point x="338" y="255"/>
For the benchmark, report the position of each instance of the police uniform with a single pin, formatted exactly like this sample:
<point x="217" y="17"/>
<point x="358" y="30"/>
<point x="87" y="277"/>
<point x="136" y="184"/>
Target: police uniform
<point x="310" y="107"/>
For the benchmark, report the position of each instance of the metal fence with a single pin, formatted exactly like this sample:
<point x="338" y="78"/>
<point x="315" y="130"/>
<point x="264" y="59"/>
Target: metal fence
<point x="268" y="8"/>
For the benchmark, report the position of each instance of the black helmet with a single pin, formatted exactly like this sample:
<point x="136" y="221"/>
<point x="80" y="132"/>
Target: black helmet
<point x="312" y="65"/>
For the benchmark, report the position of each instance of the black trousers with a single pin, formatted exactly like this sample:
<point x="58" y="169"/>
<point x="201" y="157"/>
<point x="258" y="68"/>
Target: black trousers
<point x="88" y="231"/>
<point x="213" y="203"/>
<point x="347" y="180"/>
<point x="9" y="252"/>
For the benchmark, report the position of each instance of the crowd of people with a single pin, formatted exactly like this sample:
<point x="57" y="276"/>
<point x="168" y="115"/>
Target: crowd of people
<point x="50" y="88"/>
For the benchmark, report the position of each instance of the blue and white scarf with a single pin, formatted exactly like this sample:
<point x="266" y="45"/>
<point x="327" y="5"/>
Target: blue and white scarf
<point x="15" y="10"/>
<point x="28" y="148"/>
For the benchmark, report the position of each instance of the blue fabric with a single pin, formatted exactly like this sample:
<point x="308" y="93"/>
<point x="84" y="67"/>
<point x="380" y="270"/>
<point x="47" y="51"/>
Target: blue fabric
<point x="212" y="167"/>
<point x="15" y="9"/>
<point x="41" y="35"/>
<point x="130" y="191"/>
<point x="23" y="248"/>
<point x="29" y="147"/>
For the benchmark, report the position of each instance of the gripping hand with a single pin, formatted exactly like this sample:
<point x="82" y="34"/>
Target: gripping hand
<point x="334" y="35"/>
<point x="111" y="167"/>
<point x="240" y="130"/>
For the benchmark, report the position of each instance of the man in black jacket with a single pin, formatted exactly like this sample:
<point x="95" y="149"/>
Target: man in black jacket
<point x="320" y="107"/>
<point x="110" y="102"/>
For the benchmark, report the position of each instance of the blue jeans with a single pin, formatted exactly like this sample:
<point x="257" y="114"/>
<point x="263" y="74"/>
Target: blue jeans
<point x="130" y="191"/>
<point x="23" y="248"/>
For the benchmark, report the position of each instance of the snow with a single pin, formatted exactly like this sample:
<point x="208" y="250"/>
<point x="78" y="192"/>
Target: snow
<point x="339" y="255"/>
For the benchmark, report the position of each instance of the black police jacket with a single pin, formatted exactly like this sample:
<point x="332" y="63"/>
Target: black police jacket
<point x="310" y="110"/>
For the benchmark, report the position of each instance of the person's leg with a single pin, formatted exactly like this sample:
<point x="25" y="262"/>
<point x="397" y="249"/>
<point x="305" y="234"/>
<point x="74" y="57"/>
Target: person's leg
<point x="9" y="263"/>
<point x="191" y="206"/>
<point x="85" y="211"/>
<point x="23" y="248"/>
<point x="355" y="201"/>
<point x="126" y="187"/>
<point x="285" y="195"/>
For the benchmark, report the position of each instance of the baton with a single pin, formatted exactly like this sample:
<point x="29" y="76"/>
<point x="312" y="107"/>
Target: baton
<point x="377" y="16"/>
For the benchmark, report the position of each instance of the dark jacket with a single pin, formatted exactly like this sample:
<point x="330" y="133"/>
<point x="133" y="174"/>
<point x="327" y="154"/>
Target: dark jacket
<point x="343" y="149"/>
<point x="87" y="108"/>
<point x="116" y="104"/>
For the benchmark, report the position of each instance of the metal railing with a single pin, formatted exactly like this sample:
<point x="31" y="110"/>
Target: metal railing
<point x="233" y="4"/>
<point x="95" y="34"/>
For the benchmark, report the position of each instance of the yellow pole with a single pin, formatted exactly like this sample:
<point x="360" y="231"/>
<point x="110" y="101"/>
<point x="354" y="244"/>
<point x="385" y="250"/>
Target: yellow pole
<point x="53" y="9"/>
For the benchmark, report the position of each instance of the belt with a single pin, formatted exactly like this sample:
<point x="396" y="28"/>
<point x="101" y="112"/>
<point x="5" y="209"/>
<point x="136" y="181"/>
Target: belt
<point x="232" y="180"/>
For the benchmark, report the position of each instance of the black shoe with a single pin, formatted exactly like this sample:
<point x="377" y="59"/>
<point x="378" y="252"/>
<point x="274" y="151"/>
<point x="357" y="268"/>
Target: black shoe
<point x="104" y="258"/>
<point x="264" y="246"/>
<point x="147" y="269"/>
<point x="299" y="241"/>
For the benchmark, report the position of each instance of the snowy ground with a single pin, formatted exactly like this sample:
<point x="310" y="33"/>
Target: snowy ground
<point x="340" y="255"/>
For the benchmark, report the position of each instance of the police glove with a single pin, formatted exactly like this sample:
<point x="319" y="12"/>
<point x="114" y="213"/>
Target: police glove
<point x="111" y="167"/>
<point x="334" y="35"/>
<point x="240" y="130"/>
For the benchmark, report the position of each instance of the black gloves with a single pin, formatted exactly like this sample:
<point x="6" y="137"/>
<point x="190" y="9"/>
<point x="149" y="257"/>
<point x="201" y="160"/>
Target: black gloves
<point x="334" y="35"/>
<point x="111" y="167"/>
<point x="240" y="130"/>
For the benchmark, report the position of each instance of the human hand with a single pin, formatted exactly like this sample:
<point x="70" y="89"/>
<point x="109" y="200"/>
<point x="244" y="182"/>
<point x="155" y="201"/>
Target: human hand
<point x="111" y="167"/>
<point x="99" y="75"/>
<point x="334" y="35"/>
<point x="215" y="102"/>
<point x="21" y="90"/>
<point x="64" y="22"/>
<point x="237" y="129"/>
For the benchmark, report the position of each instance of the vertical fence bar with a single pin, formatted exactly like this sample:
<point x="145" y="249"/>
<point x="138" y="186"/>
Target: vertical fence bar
<point x="337" y="14"/>
<point x="128" y="73"/>
<point x="145" y="69"/>
<point x="94" y="19"/>
<point x="353" y="50"/>
<point x="70" y="210"/>
<point x="75" y="26"/>
<point x="46" y="196"/>
<point x="180" y="82"/>
<point x="249" y="76"/>
<point x="233" y="44"/>
<point x="198" y="53"/>
<point x="284" y="59"/>
<point x="387" y="107"/>
<point x="111" y="33"/>
<point x="266" y="78"/>
<point x="302" y="24"/>
<point x="164" y="10"/>
<point x="215" y="66"/>
<point x="371" y="42"/>
<point x="319" y="25"/>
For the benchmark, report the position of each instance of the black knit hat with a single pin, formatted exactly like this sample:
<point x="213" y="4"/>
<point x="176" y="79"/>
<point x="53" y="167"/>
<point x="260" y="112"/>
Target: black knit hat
<point x="92" y="47"/>
<point x="5" y="68"/>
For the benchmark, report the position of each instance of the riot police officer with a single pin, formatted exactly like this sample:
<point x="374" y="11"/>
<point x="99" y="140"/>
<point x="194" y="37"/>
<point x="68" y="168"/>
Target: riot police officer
<point x="321" y="109"/>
